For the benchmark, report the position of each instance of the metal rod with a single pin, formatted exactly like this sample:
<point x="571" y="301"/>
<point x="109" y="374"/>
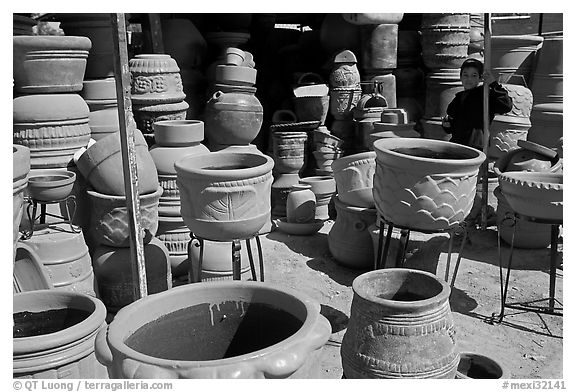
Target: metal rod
<point x="554" y="234"/>
<point x="128" y="149"/>
<point x="486" y="121"/>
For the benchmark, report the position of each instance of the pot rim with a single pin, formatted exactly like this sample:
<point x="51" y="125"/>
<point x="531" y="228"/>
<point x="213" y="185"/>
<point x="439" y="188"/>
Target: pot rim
<point x="119" y="199"/>
<point x="380" y="148"/>
<point x="120" y="329"/>
<point x="183" y="168"/>
<point x="346" y="161"/>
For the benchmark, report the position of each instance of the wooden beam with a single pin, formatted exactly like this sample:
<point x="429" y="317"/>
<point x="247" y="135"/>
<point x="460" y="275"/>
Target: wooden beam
<point x="486" y="121"/>
<point x="156" y="33"/>
<point x="128" y="149"/>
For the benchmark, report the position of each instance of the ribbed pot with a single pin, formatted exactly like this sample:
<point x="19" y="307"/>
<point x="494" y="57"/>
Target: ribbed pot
<point x="113" y="270"/>
<point x="100" y="95"/>
<point x="20" y="170"/>
<point x="66" y="353"/>
<point x="175" y="236"/>
<point x="289" y="151"/>
<point x="349" y="240"/>
<point x="53" y="126"/>
<point x="547" y="124"/>
<point x="445" y="40"/>
<point x="65" y="256"/>
<point x="379" y="46"/>
<point x="147" y="115"/>
<point x="49" y="63"/>
<point x="155" y="80"/>
<point x="425" y="184"/>
<point x="282" y="334"/>
<point x="400" y="326"/>
<point x="225" y="196"/>
<point x="110" y="223"/>
<point x="354" y="176"/>
<point x="234" y="117"/>
<point x="514" y="55"/>
<point x="548" y="77"/>
<point x="441" y="88"/>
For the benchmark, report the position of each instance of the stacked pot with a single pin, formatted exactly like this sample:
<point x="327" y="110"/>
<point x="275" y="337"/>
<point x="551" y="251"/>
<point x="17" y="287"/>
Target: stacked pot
<point x="445" y="40"/>
<point x="109" y="233"/>
<point x="157" y="92"/>
<point x="368" y="111"/>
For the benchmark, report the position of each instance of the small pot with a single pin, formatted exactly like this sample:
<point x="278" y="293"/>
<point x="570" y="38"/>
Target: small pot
<point x="354" y="175"/>
<point x="235" y="75"/>
<point x="171" y="133"/>
<point x="51" y="185"/>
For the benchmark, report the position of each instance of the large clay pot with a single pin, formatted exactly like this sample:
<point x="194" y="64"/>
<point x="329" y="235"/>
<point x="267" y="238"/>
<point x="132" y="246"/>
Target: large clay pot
<point x="20" y="170"/>
<point x="354" y="178"/>
<point x="400" y="326"/>
<point x="534" y="194"/>
<point x="288" y="150"/>
<point x="379" y="46"/>
<point x="68" y="350"/>
<point x="548" y="78"/>
<point x="49" y="63"/>
<point x="281" y="334"/>
<point x="101" y="165"/>
<point x="147" y="115"/>
<point x="53" y="126"/>
<point x="344" y="73"/>
<point x="342" y="101"/>
<point x="476" y="34"/>
<point x="113" y="270"/>
<point x="155" y="80"/>
<point x="445" y="39"/>
<point x="547" y="124"/>
<point x="324" y="188"/>
<point x="349" y="240"/>
<point x="100" y="95"/>
<point x="64" y="254"/>
<point x="425" y="184"/>
<point x="514" y="55"/>
<point x="225" y="196"/>
<point x="311" y="108"/>
<point x="233" y="117"/>
<point x="110" y="224"/>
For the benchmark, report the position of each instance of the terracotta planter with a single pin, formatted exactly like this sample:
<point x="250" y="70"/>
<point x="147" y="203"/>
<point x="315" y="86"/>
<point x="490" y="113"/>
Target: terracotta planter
<point x="175" y="236"/>
<point x="368" y="110"/>
<point x="100" y="95"/>
<point x="354" y="178"/>
<point x="234" y="117"/>
<point x="235" y="75"/>
<point x="173" y="133"/>
<point x="324" y="188"/>
<point x="477" y="366"/>
<point x="514" y="55"/>
<point x="505" y="141"/>
<point x="344" y="73"/>
<point x="300" y="204"/>
<point x="20" y="170"/>
<point x="101" y="165"/>
<point x="400" y="326"/>
<point x="109" y="220"/>
<point x="548" y="78"/>
<point x="225" y="196"/>
<point x="392" y="131"/>
<point x="538" y="195"/>
<point x="349" y="239"/>
<point x="342" y="101"/>
<point x="283" y="333"/>
<point x="49" y="63"/>
<point x="529" y="235"/>
<point x="311" y="108"/>
<point x="523" y="159"/>
<point x="155" y="80"/>
<point x="114" y="273"/>
<point x="425" y="184"/>
<point x="368" y="19"/>
<point x="547" y="124"/>
<point x="379" y="46"/>
<point x="53" y="126"/>
<point x="146" y="115"/>
<point x="68" y="351"/>
<point x="217" y="260"/>
<point x="445" y="39"/>
<point x="289" y="152"/>
<point x="50" y="185"/>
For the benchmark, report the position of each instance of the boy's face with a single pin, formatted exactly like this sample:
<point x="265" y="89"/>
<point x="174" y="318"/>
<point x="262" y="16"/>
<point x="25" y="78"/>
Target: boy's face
<point x="469" y="77"/>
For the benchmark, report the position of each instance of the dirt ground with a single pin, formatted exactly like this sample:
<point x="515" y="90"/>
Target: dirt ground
<point x="528" y="344"/>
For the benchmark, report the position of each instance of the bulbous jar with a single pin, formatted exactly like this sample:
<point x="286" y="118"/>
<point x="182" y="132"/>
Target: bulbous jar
<point x="425" y="184"/>
<point x="233" y="117"/>
<point x="400" y="326"/>
<point x="155" y="80"/>
<point x="225" y="196"/>
<point x="282" y="334"/>
<point x="300" y="204"/>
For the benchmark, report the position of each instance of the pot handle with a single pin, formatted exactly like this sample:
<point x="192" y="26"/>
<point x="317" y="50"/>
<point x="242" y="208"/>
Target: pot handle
<point x="216" y="96"/>
<point x="101" y="348"/>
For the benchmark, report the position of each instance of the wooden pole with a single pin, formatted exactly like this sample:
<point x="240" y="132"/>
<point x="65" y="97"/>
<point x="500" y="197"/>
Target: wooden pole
<point x="156" y="33"/>
<point x="486" y="121"/>
<point x="128" y="148"/>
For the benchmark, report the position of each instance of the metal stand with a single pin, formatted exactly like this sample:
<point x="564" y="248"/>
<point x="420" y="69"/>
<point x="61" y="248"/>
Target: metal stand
<point x="33" y="205"/>
<point x="236" y="259"/>
<point x="380" y="260"/>
<point x="530" y="305"/>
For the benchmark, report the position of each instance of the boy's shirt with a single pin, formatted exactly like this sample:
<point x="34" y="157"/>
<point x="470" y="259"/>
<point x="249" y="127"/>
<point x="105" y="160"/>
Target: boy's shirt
<point x="466" y="110"/>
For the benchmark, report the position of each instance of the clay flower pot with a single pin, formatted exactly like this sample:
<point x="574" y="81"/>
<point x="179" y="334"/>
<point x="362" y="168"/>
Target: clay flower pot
<point x="400" y="326"/>
<point x="538" y="195"/>
<point x="514" y="54"/>
<point x="66" y="348"/>
<point x="109" y="220"/>
<point x="147" y="115"/>
<point x="300" y="204"/>
<point x="343" y="100"/>
<point x="235" y="75"/>
<point x="217" y="260"/>
<point x="425" y="184"/>
<point x="170" y="133"/>
<point x="175" y="236"/>
<point x="100" y="95"/>
<point x="225" y="196"/>
<point x="20" y="170"/>
<point x="49" y="63"/>
<point x="155" y="79"/>
<point x="311" y="108"/>
<point x="51" y="185"/>
<point x="478" y="366"/>
<point x="323" y="136"/>
<point x="282" y="334"/>
<point x="101" y="165"/>
<point x="354" y="176"/>
<point x="324" y="188"/>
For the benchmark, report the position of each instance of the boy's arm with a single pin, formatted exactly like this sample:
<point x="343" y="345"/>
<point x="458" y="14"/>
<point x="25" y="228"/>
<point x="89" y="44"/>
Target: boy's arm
<point x="451" y="111"/>
<point x="500" y="101"/>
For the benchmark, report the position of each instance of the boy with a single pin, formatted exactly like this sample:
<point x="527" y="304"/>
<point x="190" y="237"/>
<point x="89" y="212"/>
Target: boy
<point x="464" y="119"/>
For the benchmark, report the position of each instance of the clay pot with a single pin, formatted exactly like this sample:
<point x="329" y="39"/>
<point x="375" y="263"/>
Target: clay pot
<point x="325" y="159"/>
<point x="324" y="188"/>
<point x="321" y="135"/>
<point x="400" y="326"/>
<point x="476" y="34"/>
<point x="183" y="42"/>
<point x="235" y="75"/>
<point x="217" y="260"/>
<point x="68" y="352"/>
<point x="234" y="117"/>
<point x="379" y="46"/>
<point x="65" y="256"/>
<point x="175" y="236"/>
<point x="368" y="19"/>
<point x="520" y="159"/>
<point x="354" y="178"/>
<point x="53" y="126"/>
<point x="445" y="39"/>
<point x="100" y="95"/>
<point x="110" y="224"/>
<point x="548" y="78"/>
<point x="155" y="80"/>
<point x="477" y="366"/>
<point x="529" y="235"/>
<point x="342" y="101"/>
<point x="425" y="184"/>
<point x="300" y="204"/>
<point x="113" y="271"/>
<point x="49" y="63"/>
<point x="50" y="185"/>
<point x="349" y="239"/>
<point x="538" y="195"/>
<point x="368" y="110"/>
<point x="289" y="152"/>
<point x="146" y="115"/>
<point x="101" y="166"/>
<point x="174" y="133"/>
<point x="311" y="108"/>
<point x="282" y="334"/>
<point x="225" y="196"/>
<point x="547" y="120"/>
<point x="344" y="73"/>
<point x="514" y="55"/>
<point x="505" y="141"/>
<point x="20" y="170"/>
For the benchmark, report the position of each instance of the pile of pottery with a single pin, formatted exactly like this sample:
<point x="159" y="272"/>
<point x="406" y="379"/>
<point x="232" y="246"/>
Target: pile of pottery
<point x="109" y="233"/>
<point x="349" y="239"/>
<point x="393" y="123"/>
<point x="156" y="91"/>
